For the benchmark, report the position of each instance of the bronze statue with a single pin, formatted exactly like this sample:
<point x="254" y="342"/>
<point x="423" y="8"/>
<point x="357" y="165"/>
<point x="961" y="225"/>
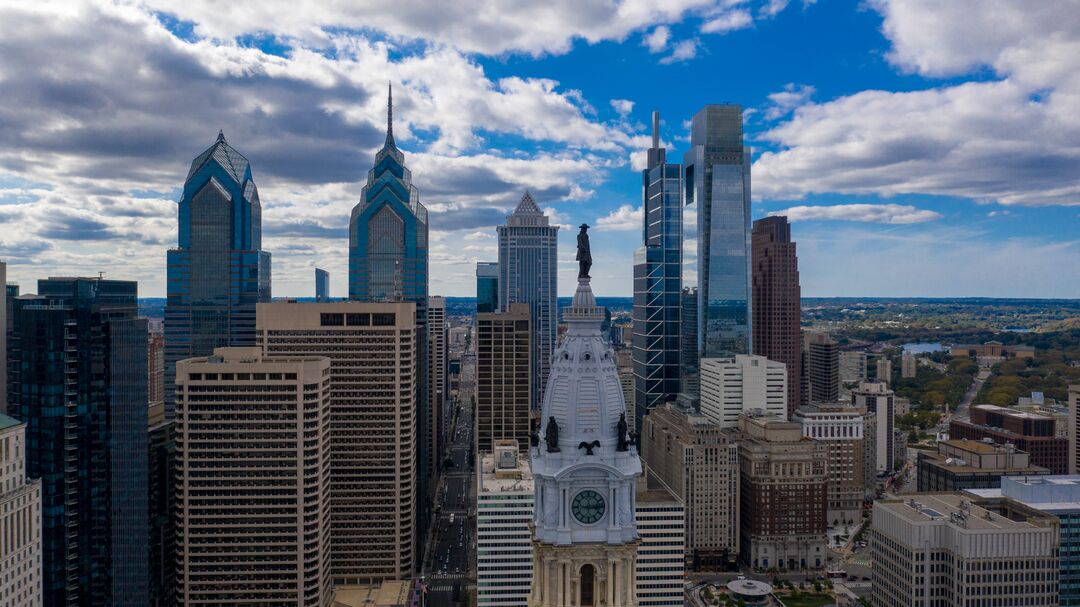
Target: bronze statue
<point x="584" y="253"/>
<point x="624" y="444"/>
<point x="552" y="435"/>
<point x="634" y="438"/>
<point x="588" y="447"/>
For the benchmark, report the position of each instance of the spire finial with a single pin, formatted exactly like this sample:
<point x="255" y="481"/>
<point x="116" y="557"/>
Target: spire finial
<point x="220" y="135"/>
<point x="389" y="113"/>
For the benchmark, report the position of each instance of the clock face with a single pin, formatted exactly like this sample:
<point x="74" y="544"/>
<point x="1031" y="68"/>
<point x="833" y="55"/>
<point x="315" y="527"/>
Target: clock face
<point x="588" y="507"/>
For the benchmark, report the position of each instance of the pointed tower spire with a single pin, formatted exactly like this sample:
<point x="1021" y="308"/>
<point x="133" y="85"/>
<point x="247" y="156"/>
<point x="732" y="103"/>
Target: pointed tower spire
<point x="390" y="114"/>
<point x="220" y="135"/>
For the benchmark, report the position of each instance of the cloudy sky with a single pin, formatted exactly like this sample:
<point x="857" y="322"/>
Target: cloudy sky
<point x="922" y="148"/>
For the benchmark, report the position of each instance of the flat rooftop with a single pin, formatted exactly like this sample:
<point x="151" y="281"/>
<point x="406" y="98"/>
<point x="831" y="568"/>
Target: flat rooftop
<point x="504" y="480"/>
<point x="930" y="507"/>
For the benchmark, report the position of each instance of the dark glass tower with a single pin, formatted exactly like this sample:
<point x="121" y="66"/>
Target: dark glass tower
<point x="776" y="298"/>
<point x="718" y="185"/>
<point x="658" y="283"/>
<point x="78" y="357"/>
<point x="218" y="272"/>
<point x="487" y="287"/>
<point x="322" y="285"/>
<point x="388" y="261"/>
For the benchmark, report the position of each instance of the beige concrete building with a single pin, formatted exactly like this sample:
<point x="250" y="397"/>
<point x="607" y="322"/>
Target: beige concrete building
<point x="840" y="428"/>
<point x="876" y="397"/>
<point x="784" y="498"/>
<point x="699" y="462"/>
<point x="744" y="383"/>
<point x="20" y="521"/>
<point x="252" y="472"/>
<point x="908" y="365"/>
<point x="945" y="550"/>
<point x="884" y="369"/>
<point x="1073" y="429"/>
<point x="438" y="383"/>
<point x="503" y="377"/>
<point x="373" y="443"/>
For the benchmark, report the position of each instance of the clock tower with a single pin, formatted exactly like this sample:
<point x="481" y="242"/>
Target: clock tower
<point x="585" y="470"/>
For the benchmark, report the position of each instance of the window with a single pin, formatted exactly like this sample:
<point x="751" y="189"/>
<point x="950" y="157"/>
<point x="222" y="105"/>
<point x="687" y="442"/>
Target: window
<point x="332" y="319"/>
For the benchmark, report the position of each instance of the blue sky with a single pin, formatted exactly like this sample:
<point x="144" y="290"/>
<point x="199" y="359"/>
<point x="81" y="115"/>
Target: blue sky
<point x="920" y="148"/>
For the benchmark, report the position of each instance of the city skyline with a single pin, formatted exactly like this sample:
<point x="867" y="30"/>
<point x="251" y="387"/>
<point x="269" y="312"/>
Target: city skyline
<point x="951" y="197"/>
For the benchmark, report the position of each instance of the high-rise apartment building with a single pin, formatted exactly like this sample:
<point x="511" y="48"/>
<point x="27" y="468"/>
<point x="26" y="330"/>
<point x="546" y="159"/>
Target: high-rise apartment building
<point x="504" y="509"/>
<point x="947" y="549"/>
<point x="852" y="368"/>
<point x="907" y="365"/>
<point x="699" y="462"/>
<point x="733" y="386"/>
<point x="1032" y="433"/>
<point x="374" y="387"/>
<point x="689" y="357"/>
<point x="322" y="285"/>
<point x="20" y="520"/>
<point x="884" y="369"/>
<point x="252" y="468"/>
<point x="388" y="262"/>
<point x="876" y="397"/>
<point x="528" y="273"/>
<point x="840" y="428"/>
<point x="783" y="495"/>
<point x="438" y="382"/>
<point x="717" y="177"/>
<point x="218" y="271"/>
<point x="79" y="381"/>
<point x="658" y="283"/>
<point x="487" y="287"/>
<point x="504" y="377"/>
<point x="822" y="368"/>
<point x="777" y="303"/>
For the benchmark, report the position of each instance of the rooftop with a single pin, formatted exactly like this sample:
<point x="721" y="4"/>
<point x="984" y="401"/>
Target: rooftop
<point x="387" y="594"/>
<point x="6" y="421"/>
<point x="494" y="480"/>
<point x="1012" y="412"/>
<point x="953" y="509"/>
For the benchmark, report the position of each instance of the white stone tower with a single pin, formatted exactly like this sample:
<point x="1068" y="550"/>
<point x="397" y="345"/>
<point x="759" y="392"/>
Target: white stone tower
<point x="585" y="538"/>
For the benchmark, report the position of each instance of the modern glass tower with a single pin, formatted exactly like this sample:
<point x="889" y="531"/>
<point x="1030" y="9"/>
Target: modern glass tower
<point x="718" y="186"/>
<point x="658" y="283"/>
<point x="322" y="285"/>
<point x="78" y="379"/>
<point x="529" y="273"/>
<point x="487" y="287"/>
<point x="218" y="272"/>
<point x="388" y="262"/>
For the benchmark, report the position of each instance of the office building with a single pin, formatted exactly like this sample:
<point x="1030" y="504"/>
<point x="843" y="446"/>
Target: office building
<point x="388" y="262"/>
<point x="660" y="568"/>
<point x="876" y="397"/>
<point x="884" y="369"/>
<point x="658" y="283"/>
<point x="852" y="368"/>
<point x="908" y="365"/>
<point x="870" y="450"/>
<point x="840" y="428"/>
<point x="1073" y="431"/>
<point x="783" y="495"/>
<point x="699" y="463"/>
<point x="689" y="357"/>
<point x="946" y="549"/>
<point x="967" y="464"/>
<point x="487" y="287"/>
<point x="717" y="177"/>
<point x="322" y="285"/>
<point x="4" y="315"/>
<point x="78" y="379"/>
<point x="374" y="388"/>
<point x="732" y="386"/>
<point x="528" y="273"/>
<point x="822" y="369"/>
<point x="624" y="365"/>
<point x="161" y="496"/>
<point x="155" y="369"/>
<point x="777" y="303"/>
<point x="1030" y="432"/>
<point x="438" y="382"/>
<point x="20" y="520"/>
<point x="503" y="377"/>
<point x="1060" y="497"/>
<point x="218" y="270"/>
<point x="252" y="479"/>
<point x="504" y="509"/>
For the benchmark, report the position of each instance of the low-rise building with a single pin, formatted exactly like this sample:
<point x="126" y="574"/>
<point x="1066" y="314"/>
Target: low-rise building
<point x="1031" y="433"/>
<point x="390" y="593"/>
<point x="992" y="350"/>
<point x="966" y="464"/>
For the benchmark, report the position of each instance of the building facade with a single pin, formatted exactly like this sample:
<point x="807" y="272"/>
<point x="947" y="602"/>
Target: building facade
<point x="155" y="369"/>
<point x="699" y="463"/>
<point x="658" y="283"/>
<point x="78" y="378"/>
<point x="732" y="386"/>
<point x="876" y="397"/>
<point x="1073" y="430"/>
<point x="945" y="549"/>
<point x="504" y="509"/>
<point x="852" y="369"/>
<point x="884" y="369"/>
<point x="438" y="338"/>
<point x="503" y="377"/>
<point x="218" y="270"/>
<point x="161" y="494"/>
<point x="777" y="303"/>
<point x="717" y="177"/>
<point x="661" y="565"/>
<point x="528" y="273"/>
<point x="1032" y="433"/>
<point x="20" y="519"/>
<point x="374" y="387"/>
<point x="822" y="368"/>
<point x="966" y="464"/>
<point x="252" y="479"/>
<point x="689" y="357"/>
<point x="487" y="287"/>
<point x="840" y="428"/>
<point x="322" y="285"/>
<point x="908" y="365"/>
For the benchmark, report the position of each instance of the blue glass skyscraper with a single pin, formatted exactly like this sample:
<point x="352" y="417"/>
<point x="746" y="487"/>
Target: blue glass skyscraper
<point x="487" y="287"/>
<point x="658" y="283"/>
<point x="322" y="285"/>
<point x="218" y="272"/>
<point x="718" y="187"/>
<point x="78" y="362"/>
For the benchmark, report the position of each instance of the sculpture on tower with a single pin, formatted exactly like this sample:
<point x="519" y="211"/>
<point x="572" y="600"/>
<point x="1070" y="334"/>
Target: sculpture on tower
<point x="552" y="435"/>
<point x="584" y="253"/>
<point x="623" y="444"/>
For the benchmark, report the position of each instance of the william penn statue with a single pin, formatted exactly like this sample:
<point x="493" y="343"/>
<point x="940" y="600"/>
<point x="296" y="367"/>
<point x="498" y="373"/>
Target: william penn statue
<point x="584" y="255"/>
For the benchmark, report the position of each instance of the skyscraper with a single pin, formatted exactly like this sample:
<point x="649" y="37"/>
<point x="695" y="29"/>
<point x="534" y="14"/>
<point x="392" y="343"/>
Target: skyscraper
<point x="253" y="461"/>
<point x="487" y="287"/>
<point x="388" y="261"/>
<point x="718" y="187"/>
<point x="20" y="520"/>
<point x="322" y="285"/>
<point x="822" y="368"/>
<point x="840" y="427"/>
<point x="79" y="381"/>
<point x="218" y="271"/>
<point x="3" y="338"/>
<point x="438" y="383"/>
<point x="776" y="301"/>
<point x="658" y="283"/>
<point x="503" y="377"/>
<point x="688" y="358"/>
<point x="528" y="273"/>
<point x="155" y="369"/>
<point x="876" y="397"/>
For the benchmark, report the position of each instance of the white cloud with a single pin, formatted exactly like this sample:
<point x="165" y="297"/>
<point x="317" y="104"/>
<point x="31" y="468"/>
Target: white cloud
<point x="622" y="106"/>
<point x="623" y="219"/>
<point x="728" y="21"/>
<point x="478" y="236"/>
<point x="782" y="102"/>
<point x="870" y="213"/>
<point x="657" y="40"/>
<point x="682" y="51"/>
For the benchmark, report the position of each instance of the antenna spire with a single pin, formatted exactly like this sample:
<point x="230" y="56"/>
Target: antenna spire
<point x="389" y="113"/>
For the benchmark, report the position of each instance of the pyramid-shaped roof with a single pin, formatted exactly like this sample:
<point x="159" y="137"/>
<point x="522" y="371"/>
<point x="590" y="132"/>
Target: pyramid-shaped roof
<point x="527" y="206"/>
<point x="231" y="160"/>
